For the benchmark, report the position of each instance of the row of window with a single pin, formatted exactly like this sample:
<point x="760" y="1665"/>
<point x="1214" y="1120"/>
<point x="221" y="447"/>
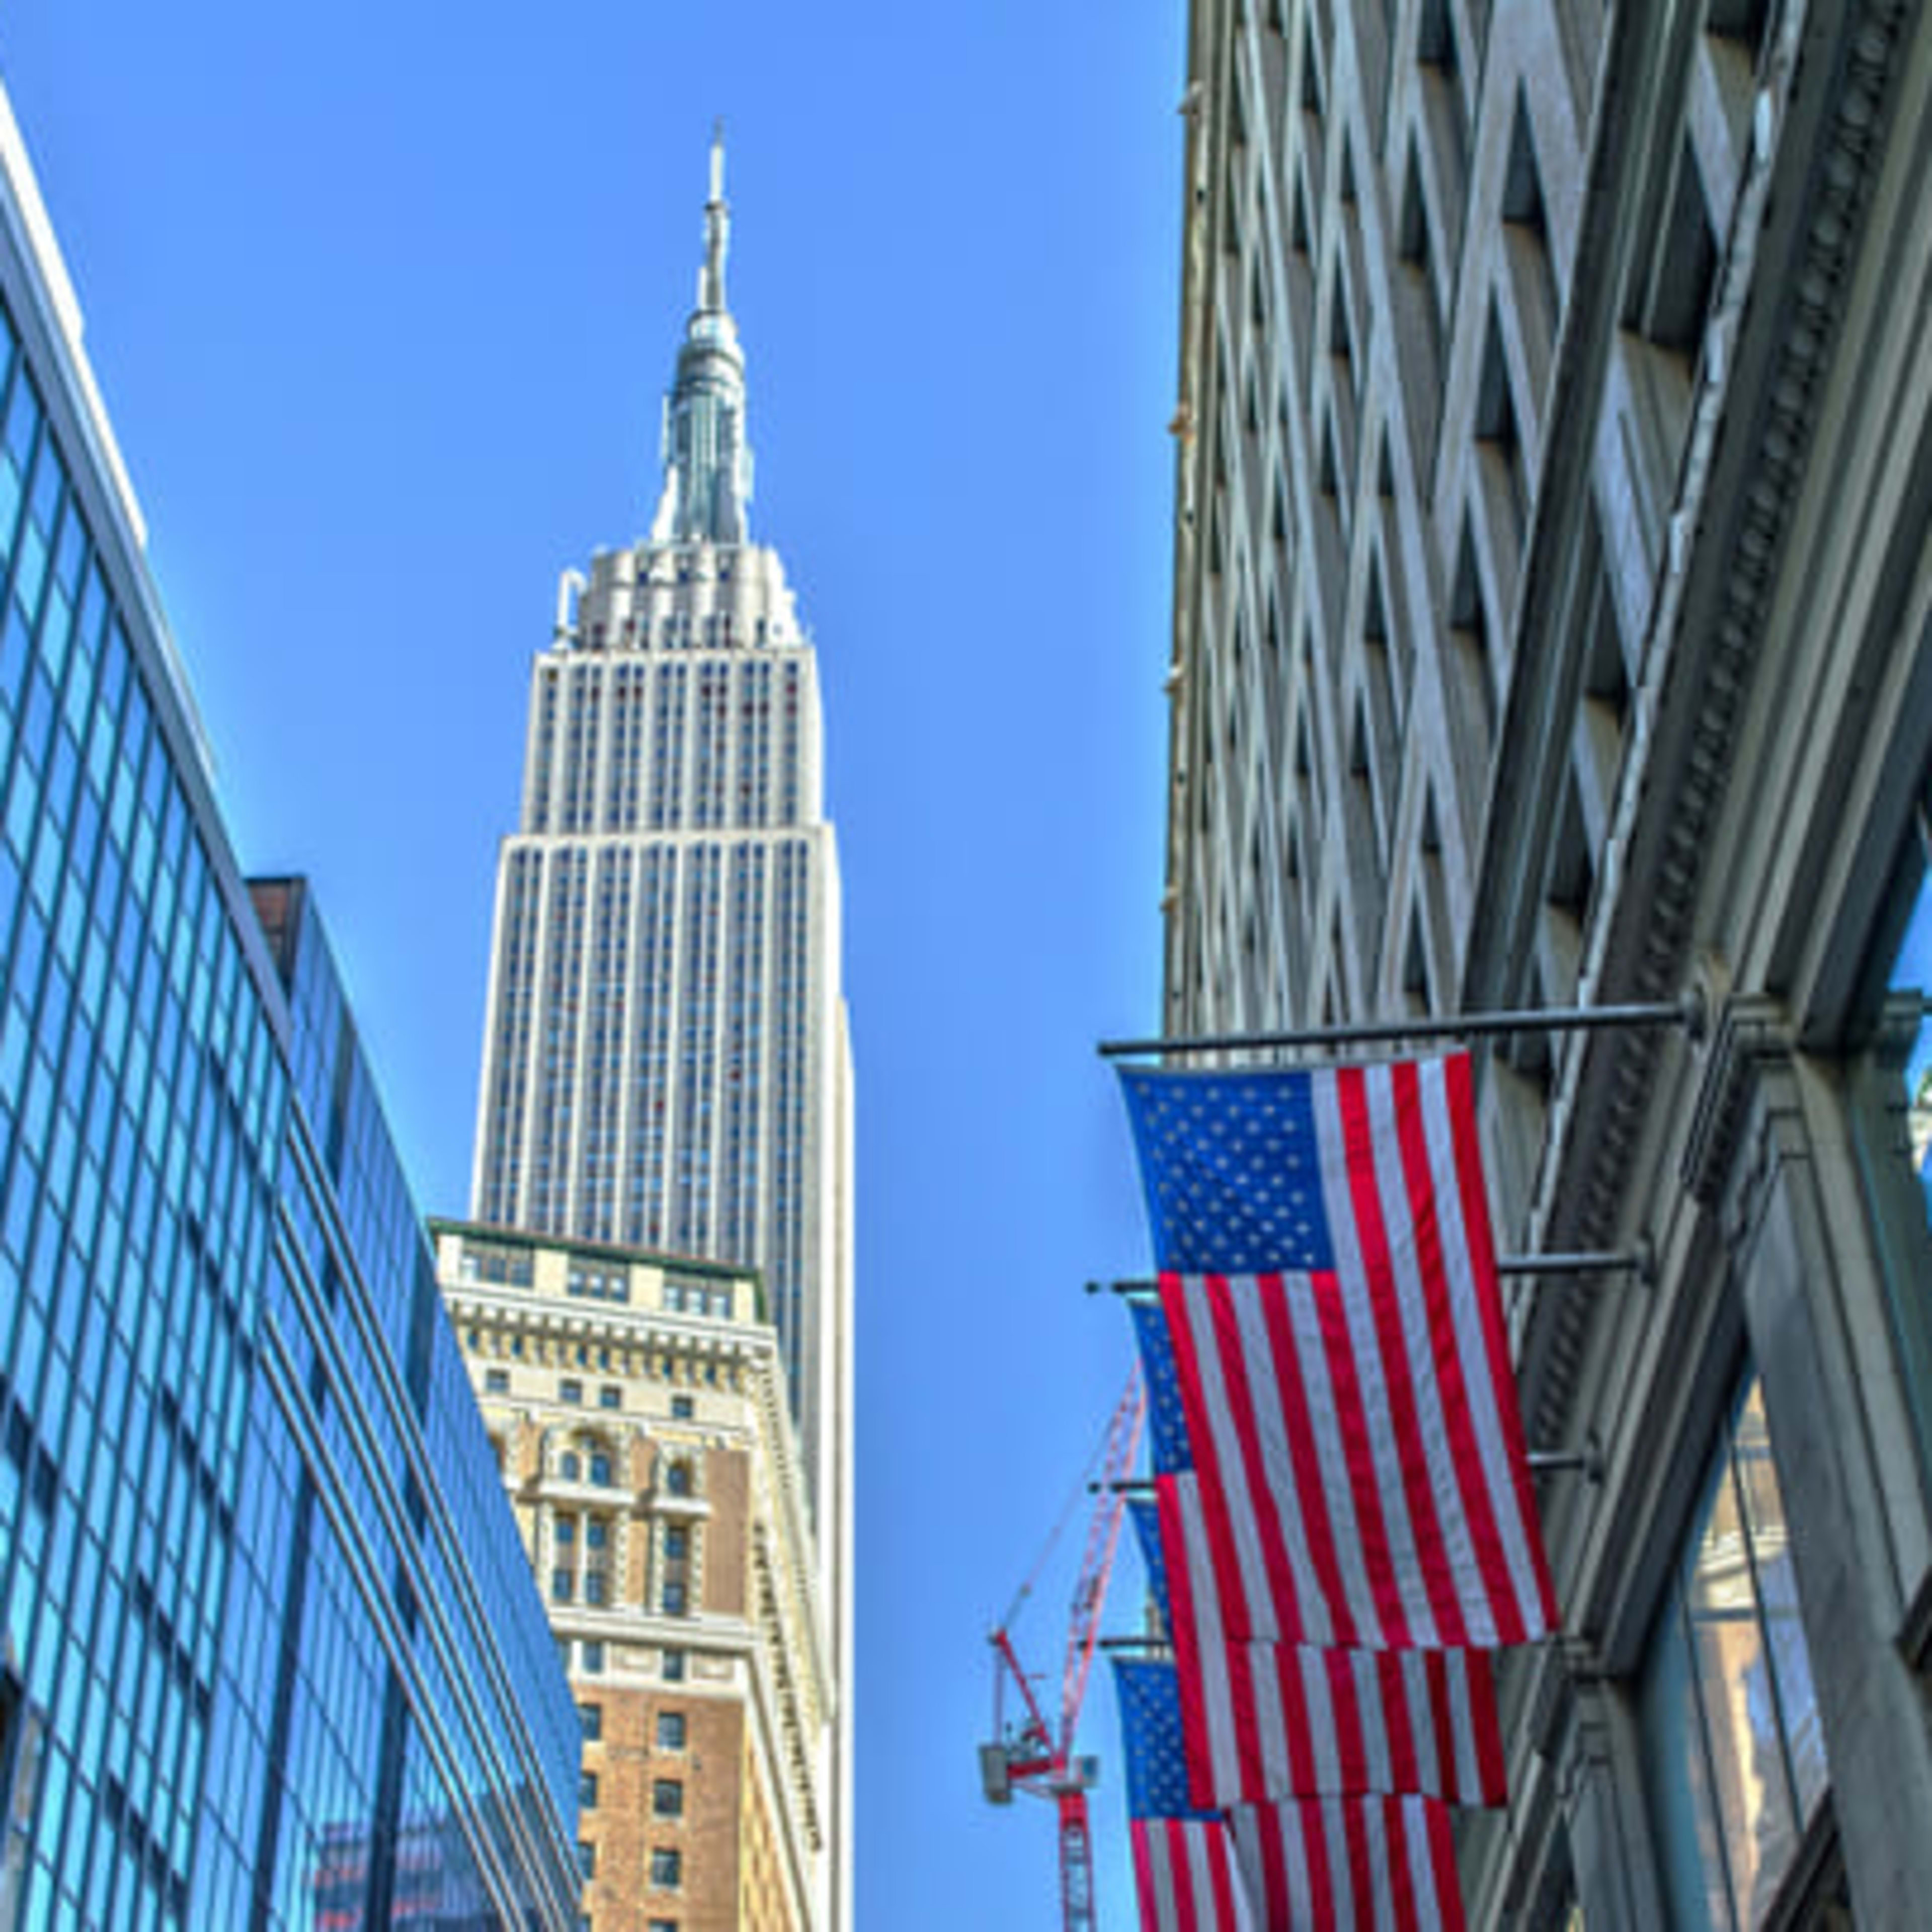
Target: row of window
<point x="601" y="778"/>
<point x="683" y="1407"/>
<point x="667" y="1861"/>
<point x="666" y="1796"/>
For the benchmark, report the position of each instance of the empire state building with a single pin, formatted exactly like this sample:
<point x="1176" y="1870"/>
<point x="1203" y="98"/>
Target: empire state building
<point x="666" y="1063"/>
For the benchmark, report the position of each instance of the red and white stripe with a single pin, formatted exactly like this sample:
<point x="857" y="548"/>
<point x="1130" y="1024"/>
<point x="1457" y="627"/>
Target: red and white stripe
<point x="1261" y="1721"/>
<point x="1185" y="1876"/>
<point x="1351" y="1865"/>
<point x="1356" y="1432"/>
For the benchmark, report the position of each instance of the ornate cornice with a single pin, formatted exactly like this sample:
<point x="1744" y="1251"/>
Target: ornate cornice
<point x="614" y="1324"/>
<point x="1755" y="420"/>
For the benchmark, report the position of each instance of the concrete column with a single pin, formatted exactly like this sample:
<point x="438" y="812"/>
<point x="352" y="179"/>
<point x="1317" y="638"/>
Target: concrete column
<point x="1797" y="1227"/>
<point x="1611" y="1857"/>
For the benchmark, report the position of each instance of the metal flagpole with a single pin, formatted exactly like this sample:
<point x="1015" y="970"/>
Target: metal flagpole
<point x="1587" y="1462"/>
<point x="1637" y="1261"/>
<point x="1686" y="1012"/>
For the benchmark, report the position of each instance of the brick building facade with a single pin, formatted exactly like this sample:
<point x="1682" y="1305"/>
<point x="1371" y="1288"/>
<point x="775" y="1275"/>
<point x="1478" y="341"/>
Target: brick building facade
<point x="638" y="1404"/>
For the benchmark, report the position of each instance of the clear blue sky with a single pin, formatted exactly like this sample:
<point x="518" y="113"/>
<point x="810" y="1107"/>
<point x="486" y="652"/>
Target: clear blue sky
<point x="383" y="299"/>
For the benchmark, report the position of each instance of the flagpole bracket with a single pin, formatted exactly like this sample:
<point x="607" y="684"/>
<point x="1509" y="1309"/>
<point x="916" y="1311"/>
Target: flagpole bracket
<point x="1645" y="1251"/>
<point x="1695" y="1006"/>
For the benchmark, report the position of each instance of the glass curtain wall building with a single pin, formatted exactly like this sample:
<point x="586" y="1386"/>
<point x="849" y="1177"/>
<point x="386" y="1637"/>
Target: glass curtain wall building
<point x="270" y="1653"/>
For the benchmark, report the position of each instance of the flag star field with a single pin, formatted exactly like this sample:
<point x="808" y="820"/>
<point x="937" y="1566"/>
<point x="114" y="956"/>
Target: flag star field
<point x="1230" y="1163"/>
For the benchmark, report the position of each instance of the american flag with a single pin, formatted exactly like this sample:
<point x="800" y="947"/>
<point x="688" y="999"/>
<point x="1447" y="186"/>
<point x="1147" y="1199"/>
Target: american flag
<point x="1183" y="1858"/>
<point x="1144" y="1514"/>
<point x="1349" y="1405"/>
<point x="1351" y="1864"/>
<point x="1261" y="1721"/>
<point x="1167" y="1421"/>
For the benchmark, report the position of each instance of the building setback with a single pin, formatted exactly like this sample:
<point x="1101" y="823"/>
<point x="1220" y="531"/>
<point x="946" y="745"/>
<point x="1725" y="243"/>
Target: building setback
<point x="1551" y="628"/>
<point x="269" y="1653"/>
<point x="638" y="1407"/>
<point x="665" y="1062"/>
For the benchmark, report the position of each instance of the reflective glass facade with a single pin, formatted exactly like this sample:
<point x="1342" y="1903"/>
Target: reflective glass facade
<point x="249" y="1521"/>
<point x="1735" y="1761"/>
<point x="1911" y="974"/>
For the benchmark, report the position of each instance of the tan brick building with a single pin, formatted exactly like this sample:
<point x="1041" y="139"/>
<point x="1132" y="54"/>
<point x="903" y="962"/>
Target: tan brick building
<point x="637" y="1402"/>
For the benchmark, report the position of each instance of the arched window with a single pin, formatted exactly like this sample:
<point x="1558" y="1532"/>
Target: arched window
<point x="587" y="1457"/>
<point x="677" y="1478"/>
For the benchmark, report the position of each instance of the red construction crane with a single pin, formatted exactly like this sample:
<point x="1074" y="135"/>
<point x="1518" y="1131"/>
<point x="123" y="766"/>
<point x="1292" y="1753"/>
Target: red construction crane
<point x="1029" y="1754"/>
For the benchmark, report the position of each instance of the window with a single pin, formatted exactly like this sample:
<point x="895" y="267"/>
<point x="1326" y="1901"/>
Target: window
<point x="569" y="1390"/>
<point x="675" y="1602"/>
<point x="564" y="1529"/>
<point x="496" y="1381"/>
<point x="1911" y="973"/>
<point x="677" y="1542"/>
<point x="682" y="1408"/>
<point x="511" y="1267"/>
<point x="673" y="1667"/>
<point x="591" y="1717"/>
<point x="597" y="1533"/>
<point x="677" y="1479"/>
<point x="596" y="1284"/>
<point x="561" y="1584"/>
<point x="668" y="1797"/>
<point x="586" y="1858"/>
<point x="586" y="1791"/>
<point x="670" y="1730"/>
<point x="610" y="1397"/>
<point x="570" y="1466"/>
<point x="594" y="1586"/>
<point x="1734" y="1755"/>
<point x="600" y="1469"/>
<point x="662" y="1925"/>
<point x="591" y="1656"/>
<point x="667" y="1868"/>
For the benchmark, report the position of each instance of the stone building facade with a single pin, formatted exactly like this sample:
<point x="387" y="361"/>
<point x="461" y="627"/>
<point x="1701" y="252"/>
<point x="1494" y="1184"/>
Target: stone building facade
<point x="1550" y="628"/>
<point x="666" y="1057"/>
<point x="637" y="1402"/>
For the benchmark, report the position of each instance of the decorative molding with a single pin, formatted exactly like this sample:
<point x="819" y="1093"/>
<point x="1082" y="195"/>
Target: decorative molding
<point x="1751" y="1030"/>
<point x="1644" y="948"/>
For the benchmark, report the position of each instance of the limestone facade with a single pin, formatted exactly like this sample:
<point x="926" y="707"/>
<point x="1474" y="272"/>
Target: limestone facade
<point x="1554" y="452"/>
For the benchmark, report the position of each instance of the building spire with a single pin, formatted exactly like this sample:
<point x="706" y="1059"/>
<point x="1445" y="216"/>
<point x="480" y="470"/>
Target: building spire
<point x="707" y="462"/>
<point x="717" y="229"/>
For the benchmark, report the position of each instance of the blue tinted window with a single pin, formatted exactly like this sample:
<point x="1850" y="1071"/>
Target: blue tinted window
<point x="151" y="1150"/>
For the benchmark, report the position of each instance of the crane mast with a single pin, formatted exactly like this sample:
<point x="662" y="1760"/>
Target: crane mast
<point x="1032" y="1754"/>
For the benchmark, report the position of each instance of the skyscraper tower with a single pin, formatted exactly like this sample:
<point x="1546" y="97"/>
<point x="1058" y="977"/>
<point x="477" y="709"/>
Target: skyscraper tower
<point x="666" y="1061"/>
